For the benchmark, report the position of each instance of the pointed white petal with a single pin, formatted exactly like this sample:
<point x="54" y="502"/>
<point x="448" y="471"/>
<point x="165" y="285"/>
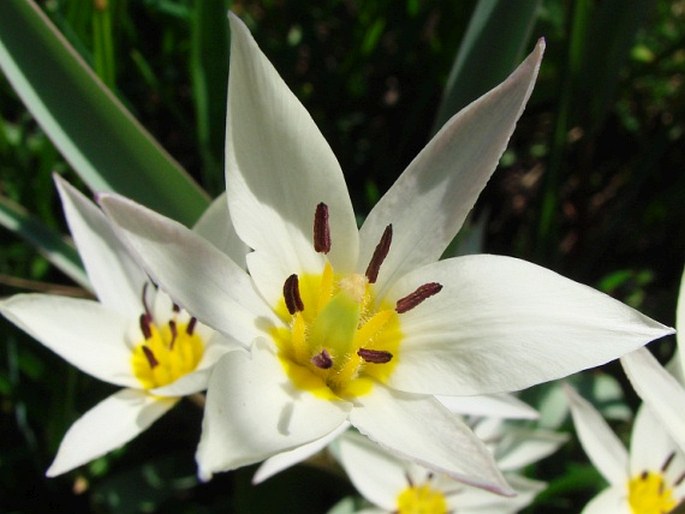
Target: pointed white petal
<point x="602" y="446"/>
<point x="253" y="412"/>
<point x="612" y="500"/>
<point x="279" y="166"/>
<point x="659" y="389"/>
<point x="195" y="273"/>
<point x="503" y="324"/>
<point x="83" y="332"/>
<point x="107" y="426"/>
<point x="215" y="226"/>
<point x="429" y="202"/>
<point x="282" y="461"/>
<point x="376" y="473"/>
<point x="651" y="446"/>
<point x="495" y="405"/>
<point x="117" y="280"/>
<point x="397" y="421"/>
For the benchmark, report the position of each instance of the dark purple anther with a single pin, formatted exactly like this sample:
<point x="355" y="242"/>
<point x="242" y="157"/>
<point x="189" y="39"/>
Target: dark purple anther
<point x="322" y="360"/>
<point x="145" y="321"/>
<point x="151" y="360"/>
<point x="379" y="255"/>
<point x="322" y="231"/>
<point x="413" y="299"/>
<point x="374" y="356"/>
<point x="191" y="326"/>
<point x="291" y="294"/>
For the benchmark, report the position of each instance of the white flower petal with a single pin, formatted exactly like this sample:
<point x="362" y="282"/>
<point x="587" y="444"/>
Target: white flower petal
<point x="602" y="446"/>
<point x="253" y="411"/>
<point x="429" y="202"/>
<point x="215" y="226"/>
<point x="659" y="389"/>
<point x="117" y="280"/>
<point x="612" y="500"/>
<point x="194" y="272"/>
<point x="279" y="166"/>
<point x="494" y="405"/>
<point x="377" y="474"/>
<point x="398" y="422"/>
<point x="520" y="447"/>
<point x="470" y="500"/>
<point x="83" y="332"/>
<point x="107" y="426"/>
<point x="650" y="444"/>
<point x="503" y="324"/>
<point x="282" y="461"/>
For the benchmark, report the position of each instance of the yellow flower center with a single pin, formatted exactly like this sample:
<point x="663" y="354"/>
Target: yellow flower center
<point x="649" y="494"/>
<point x="421" y="499"/>
<point x="166" y="353"/>
<point x="337" y="340"/>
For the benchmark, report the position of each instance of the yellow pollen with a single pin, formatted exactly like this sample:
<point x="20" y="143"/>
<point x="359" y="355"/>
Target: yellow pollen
<point x="167" y="357"/>
<point x="649" y="494"/>
<point x="421" y="499"/>
<point x="340" y="317"/>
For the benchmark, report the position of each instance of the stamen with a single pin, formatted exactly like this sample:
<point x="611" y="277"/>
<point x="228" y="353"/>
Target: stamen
<point x="174" y="333"/>
<point x="379" y="255"/>
<point x="191" y="326"/>
<point x="667" y="463"/>
<point x="145" y="320"/>
<point x="409" y="480"/>
<point x="291" y="294"/>
<point x="175" y="307"/>
<point x="644" y="475"/>
<point x="413" y="299"/>
<point x="323" y="360"/>
<point x="680" y="479"/>
<point x="374" y="356"/>
<point x="152" y="361"/>
<point x="322" y="230"/>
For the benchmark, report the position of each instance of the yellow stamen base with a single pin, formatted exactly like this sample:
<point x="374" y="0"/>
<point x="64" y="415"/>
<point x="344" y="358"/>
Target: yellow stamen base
<point x="173" y="355"/>
<point x="340" y="317"/>
<point x="648" y="493"/>
<point x="421" y="499"/>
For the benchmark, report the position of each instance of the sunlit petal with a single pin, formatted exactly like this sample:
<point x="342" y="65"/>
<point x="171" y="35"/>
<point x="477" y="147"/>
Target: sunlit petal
<point x="279" y="166"/>
<point x="429" y="202"/>
<point x="110" y="424"/>
<point x="398" y="422"/>
<point x="84" y="332"/>
<point x="503" y="324"/>
<point x="117" y="280"/>
<point x="282" y="461"/>
<point x="194" y="272"/>
<point x="254" y="412"/>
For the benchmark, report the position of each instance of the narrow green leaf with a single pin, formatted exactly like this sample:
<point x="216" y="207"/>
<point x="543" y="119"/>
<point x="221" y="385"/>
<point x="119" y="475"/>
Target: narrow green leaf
<point x="209" y="73"/>
<point x="52" y="245"/>
<point x="493" y="45"/>
<point x="106" y="146"/>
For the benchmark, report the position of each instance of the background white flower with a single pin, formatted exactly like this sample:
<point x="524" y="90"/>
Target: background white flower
<point x="133" y="336"/>
<point x="648" y="480"/>
<point x="663" y="390"/>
